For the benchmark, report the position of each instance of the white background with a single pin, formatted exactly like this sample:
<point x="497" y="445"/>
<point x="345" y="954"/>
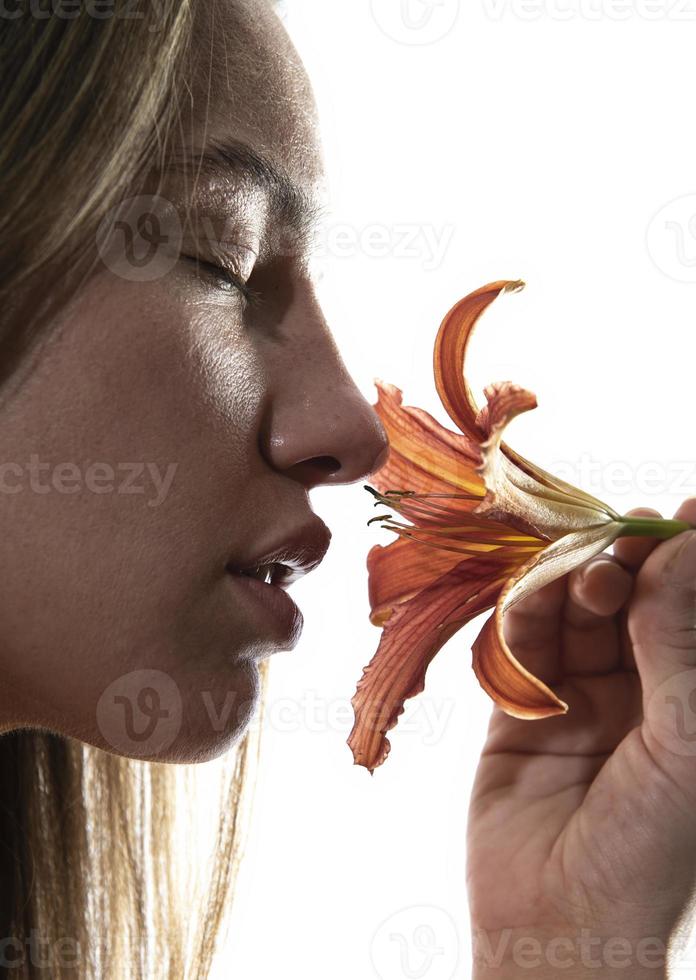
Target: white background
<point x="535" y="140"/>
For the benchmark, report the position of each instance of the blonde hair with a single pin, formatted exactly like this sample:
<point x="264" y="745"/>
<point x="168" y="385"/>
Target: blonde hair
<point x="88" y="839"/>
<point x="88" y="104"/>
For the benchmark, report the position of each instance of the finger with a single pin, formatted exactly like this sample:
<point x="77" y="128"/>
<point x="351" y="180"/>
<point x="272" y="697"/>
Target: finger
<point x="532" y="630"/>
<point x="662" y="627"/>
<point x="687" y="511"/>
<point x="536" y="616"/>
<point x="632" y="552"/>
<point x="597" y="590"/>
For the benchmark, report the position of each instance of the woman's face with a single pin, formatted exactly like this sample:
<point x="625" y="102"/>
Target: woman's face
<point x="168" y="433"/>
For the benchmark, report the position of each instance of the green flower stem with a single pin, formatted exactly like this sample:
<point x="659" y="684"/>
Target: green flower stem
<point x="651" y="527"/>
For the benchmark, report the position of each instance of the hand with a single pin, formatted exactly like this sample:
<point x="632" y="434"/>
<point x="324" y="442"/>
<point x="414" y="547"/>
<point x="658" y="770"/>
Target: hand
<point x="582" y="828"/>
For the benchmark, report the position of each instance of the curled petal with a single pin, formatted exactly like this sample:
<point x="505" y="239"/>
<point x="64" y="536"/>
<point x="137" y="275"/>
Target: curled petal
<point x="450" y="354"/>
<point x="505" y="401"/>
<point x="412" y="636"/>
<point x="510" y="685"/>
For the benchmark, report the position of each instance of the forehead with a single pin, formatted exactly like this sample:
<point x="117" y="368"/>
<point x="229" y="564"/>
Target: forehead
<point x="250" y="89"/>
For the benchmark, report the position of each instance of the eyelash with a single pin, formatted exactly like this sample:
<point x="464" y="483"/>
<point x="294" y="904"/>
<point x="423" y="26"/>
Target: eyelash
<point x="247" y="294"/>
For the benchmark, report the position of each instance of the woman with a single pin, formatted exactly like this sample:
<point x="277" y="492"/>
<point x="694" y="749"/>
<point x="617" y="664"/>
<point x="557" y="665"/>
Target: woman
<point x="175" y="337"/>
<point x="171" y="394"/>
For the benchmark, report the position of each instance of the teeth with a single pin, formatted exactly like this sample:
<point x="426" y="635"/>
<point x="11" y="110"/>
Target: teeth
<point x="263" y="573"/>
<point x="266" y="573"/>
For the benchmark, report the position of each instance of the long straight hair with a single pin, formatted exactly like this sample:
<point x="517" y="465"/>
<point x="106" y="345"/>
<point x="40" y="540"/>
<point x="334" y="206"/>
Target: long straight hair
<point x="90" y="883"/>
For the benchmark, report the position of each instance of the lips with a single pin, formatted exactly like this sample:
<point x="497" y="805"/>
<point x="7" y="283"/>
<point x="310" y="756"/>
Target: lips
<point x="295" y="555"/>
<point x="260" y="581"/>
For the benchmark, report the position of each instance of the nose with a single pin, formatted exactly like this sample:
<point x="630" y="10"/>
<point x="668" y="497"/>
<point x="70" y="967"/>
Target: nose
<point x="318" y="428"/>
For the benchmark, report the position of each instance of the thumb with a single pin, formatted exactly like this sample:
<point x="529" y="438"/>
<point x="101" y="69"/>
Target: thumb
<point x="662" y="627"/>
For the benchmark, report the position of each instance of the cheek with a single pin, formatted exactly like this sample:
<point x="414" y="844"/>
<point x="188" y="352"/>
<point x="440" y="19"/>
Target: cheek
<point x="134" y="456"/>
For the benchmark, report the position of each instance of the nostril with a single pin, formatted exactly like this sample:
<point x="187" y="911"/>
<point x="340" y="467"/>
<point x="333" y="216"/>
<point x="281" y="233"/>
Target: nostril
<point x="326" y="464"/>
<point x="315" y="470"/>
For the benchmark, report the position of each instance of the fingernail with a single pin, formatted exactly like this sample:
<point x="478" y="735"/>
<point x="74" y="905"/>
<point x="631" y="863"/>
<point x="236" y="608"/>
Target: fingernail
<point x="593" y="563"/>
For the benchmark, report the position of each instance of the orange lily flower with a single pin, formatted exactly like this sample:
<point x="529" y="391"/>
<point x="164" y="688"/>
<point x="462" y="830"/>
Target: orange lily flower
<point x="486" y="528"/>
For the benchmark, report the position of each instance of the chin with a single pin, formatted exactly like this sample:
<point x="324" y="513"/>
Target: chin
<point x="176" y="717"/>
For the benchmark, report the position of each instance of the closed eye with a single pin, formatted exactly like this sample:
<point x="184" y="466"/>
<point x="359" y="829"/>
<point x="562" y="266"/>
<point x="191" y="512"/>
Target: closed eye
<point x="224" y="277"/>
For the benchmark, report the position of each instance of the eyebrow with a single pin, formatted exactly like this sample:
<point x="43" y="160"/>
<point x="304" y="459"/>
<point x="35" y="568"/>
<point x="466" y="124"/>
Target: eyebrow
<point x="289" y="202"/>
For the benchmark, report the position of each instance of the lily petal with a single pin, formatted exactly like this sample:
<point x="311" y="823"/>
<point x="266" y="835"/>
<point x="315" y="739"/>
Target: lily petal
<point x="410" y="639"/>
<point x="450" y="355"/>
<point x="555" y="483"/>
<point x="514" y="496"/>
<point x="510" y="685"/>
<point x="424" y="455"/>
<point x="405" y="567"/>
<point x="399" y="571"/>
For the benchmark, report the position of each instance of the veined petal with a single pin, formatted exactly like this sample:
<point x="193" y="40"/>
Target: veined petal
<point x="424" y="456"/>
<point x="510" y="685"/>
<point x="513" y="495"/>
<point x="555" y="483"/>
<point x="399" y="571"/>
<point x="410" y="639"/>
